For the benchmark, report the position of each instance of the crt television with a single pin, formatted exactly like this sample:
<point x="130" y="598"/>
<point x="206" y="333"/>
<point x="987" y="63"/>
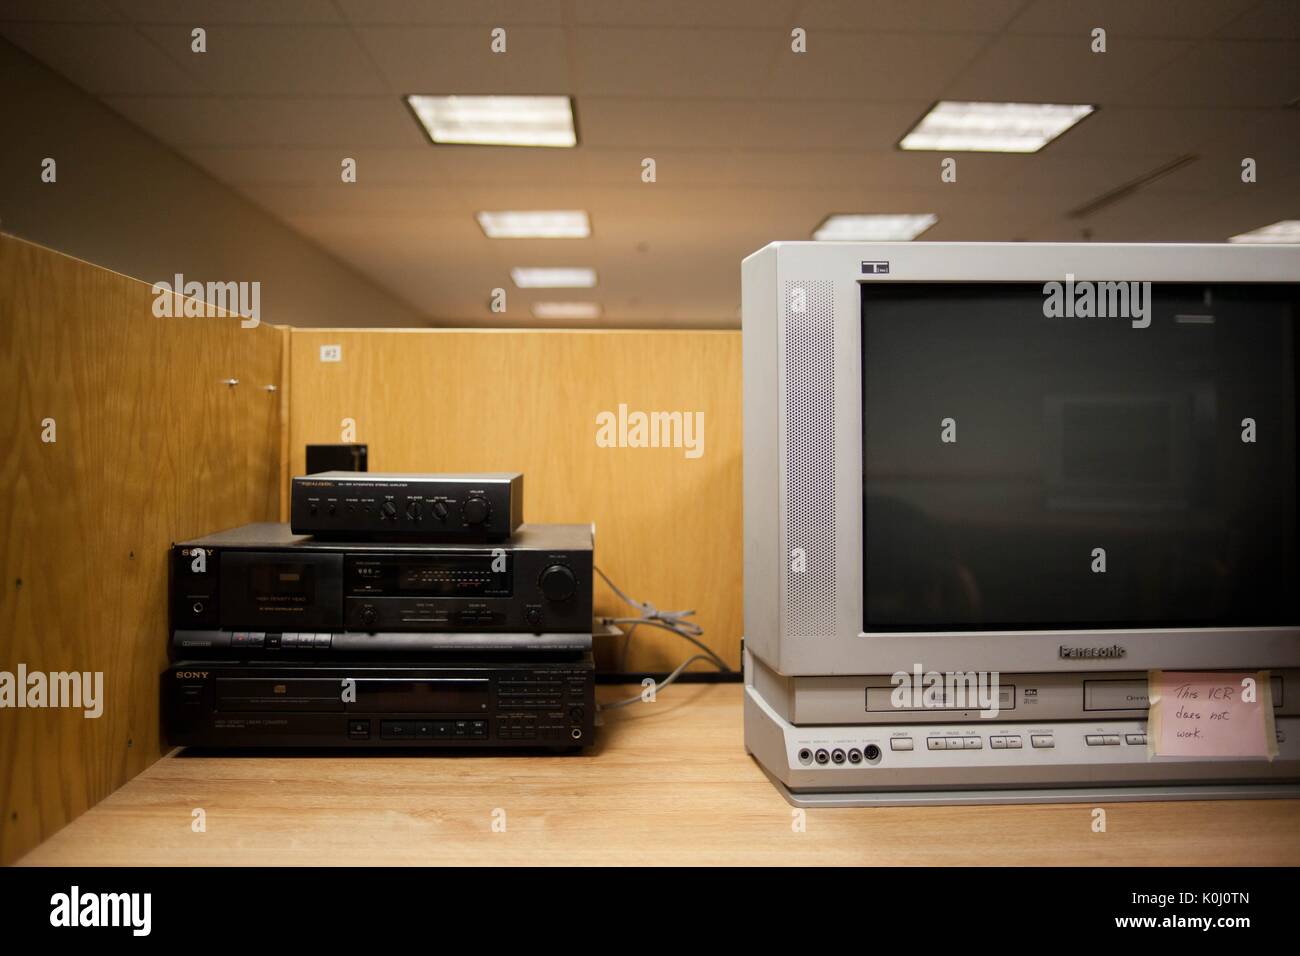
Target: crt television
<point x="1064" y="466"/>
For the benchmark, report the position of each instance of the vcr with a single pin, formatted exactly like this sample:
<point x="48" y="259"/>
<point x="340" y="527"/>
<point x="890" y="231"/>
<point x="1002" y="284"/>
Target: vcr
<point x="260" y="592"/>
<point x="545" y="703"/>
<point x="408" y="507"/>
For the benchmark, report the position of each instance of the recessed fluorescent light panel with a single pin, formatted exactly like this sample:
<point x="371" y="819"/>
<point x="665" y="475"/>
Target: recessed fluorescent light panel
<point x="993" y="127"/>
<point x="496" y="120"/>
<point x="1288" y="230"/>
<point x="552" y="224"/>
<point x="875" y="228"/>
<point x="554" y="278"/>
<point x="566" y="310"/>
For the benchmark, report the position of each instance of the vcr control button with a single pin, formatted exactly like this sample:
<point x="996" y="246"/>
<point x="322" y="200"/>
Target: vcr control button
<point x="1013" y="743"/>
<point x="397" y="729"/>
<point x="1136" y="738"/>
<point x="935" y="743"/>
<point x="1042" y="740"/>
<point x="900" y="743"/>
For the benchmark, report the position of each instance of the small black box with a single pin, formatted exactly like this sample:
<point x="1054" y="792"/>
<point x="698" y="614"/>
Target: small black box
<point x="337" y="458"/>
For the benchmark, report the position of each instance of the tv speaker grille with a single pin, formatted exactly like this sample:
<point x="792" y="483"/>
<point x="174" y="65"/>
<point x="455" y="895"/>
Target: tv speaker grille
<point x="810" y="457"/>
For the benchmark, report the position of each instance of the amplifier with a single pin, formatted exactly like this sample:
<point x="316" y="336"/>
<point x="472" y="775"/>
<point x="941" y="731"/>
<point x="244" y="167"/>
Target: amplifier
<point x="528" y="704"/>
<point x="349" y="504"/>
<point x="260" y="592"/>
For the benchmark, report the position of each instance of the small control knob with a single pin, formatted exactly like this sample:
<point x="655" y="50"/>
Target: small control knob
<point x="439" y="509"/>
<point x="388" y="510"/>
<point x="534" y="617"/>
<point x="557" y="583"/>
<point x="476" y="510"/>
<point x="369" y="616"/>
<point x="413" y="510"/>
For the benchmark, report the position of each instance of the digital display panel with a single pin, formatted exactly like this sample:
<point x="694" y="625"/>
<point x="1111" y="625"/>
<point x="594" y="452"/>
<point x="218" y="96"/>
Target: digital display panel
<point x="431" y="575"/>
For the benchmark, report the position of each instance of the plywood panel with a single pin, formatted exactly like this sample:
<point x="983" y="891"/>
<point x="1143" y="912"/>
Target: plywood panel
<point x="668" y="526"/>
<point x="150" y="447"/>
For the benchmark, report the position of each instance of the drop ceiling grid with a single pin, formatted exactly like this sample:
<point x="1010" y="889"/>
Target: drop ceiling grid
<point x="751" y="144"/>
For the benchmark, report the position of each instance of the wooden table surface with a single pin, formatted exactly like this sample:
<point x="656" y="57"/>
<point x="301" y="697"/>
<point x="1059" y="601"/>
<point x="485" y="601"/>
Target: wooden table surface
<point x="667" y="783"/>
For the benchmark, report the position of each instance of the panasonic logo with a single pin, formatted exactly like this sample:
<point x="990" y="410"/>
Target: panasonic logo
<point x="1115" y="650"/>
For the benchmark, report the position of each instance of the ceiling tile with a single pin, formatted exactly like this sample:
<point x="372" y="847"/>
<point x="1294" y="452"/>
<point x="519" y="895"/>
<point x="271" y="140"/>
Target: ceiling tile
<point x="931" y="16"/>
<point x="506" y="13"/>
<point x="274" y="60"/>
<point x="1228" y="73"/>
<point x="106" y="59"/>
<point x="876" y="67"/>
<point x="683" y="13"/>
<point x="703" y="63"/>
<point x="744" y="124"/>
<point x="1270" y="20"/>
<point x="347" y="124"/>
<point x="1123" y="19"/>
<point x="204" y="13"/>
<point x="67" y="11"/>
<point x="1050" y="69"/>
<point x="460" y="60"/>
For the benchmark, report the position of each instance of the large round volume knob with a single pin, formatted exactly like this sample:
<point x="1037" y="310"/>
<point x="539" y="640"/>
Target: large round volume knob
<point x="476" y="510"/>
<point x="557" y="583"/>
<point x="369" y="616"/>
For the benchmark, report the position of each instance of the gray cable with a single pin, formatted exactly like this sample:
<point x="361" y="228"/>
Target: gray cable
<point x="672" y="621"/>
<point x="659" y="686"/>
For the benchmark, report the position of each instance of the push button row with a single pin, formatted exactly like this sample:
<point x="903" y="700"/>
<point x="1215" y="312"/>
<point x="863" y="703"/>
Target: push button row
<point x="954" y="743"/>
<point x="294" y="640"/>
<point x="1012" y="742"/>
<point x="1102" y="740"/>
<point x="432" y="729"/>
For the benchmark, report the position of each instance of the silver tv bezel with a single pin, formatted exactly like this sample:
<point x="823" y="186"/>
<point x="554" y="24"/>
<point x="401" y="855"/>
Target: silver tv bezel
<point x="850" y="649"/>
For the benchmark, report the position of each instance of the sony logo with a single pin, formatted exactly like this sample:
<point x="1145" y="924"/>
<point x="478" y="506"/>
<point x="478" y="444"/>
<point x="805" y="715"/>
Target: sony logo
<point x="1115" y="650"/>
<point x="191" y="675"/>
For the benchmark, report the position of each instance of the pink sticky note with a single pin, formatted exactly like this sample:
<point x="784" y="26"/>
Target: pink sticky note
<point x="1208" y="714"/>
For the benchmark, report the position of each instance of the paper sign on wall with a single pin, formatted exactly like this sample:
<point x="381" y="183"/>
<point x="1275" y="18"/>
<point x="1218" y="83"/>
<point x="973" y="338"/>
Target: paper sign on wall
<point x="1210" y="714"/>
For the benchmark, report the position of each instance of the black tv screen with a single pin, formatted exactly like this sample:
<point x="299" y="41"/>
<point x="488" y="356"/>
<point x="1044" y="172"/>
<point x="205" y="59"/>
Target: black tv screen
<point x="1028" y="468"/>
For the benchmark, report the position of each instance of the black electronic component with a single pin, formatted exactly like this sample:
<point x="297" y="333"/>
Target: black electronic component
<point x="408" y="507"/>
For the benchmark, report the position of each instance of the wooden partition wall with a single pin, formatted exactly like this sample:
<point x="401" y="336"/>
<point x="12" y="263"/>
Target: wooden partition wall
<point x="150" y="446"/>
<point x="668" y="525"/>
